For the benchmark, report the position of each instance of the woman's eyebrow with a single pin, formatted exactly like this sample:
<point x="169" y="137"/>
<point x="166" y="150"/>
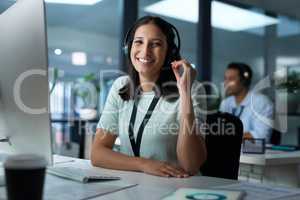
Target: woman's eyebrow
<point x="135" y="38"/>
<point x="153" y="39"/>
<point x="157" y="39"/>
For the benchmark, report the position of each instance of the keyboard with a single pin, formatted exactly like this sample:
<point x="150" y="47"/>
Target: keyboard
<point x="80" y="174"/>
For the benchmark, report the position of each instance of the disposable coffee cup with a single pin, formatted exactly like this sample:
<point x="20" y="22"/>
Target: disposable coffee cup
<point x="24" y="176"/>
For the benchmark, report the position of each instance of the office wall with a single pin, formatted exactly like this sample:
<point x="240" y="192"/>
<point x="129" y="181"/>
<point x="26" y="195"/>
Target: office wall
<point x="236" y="47"/>
<point x="98" y="48"/>
<point x="288" y="55"/>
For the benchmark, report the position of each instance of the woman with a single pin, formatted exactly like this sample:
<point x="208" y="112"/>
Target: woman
<point x="151" y="110"/>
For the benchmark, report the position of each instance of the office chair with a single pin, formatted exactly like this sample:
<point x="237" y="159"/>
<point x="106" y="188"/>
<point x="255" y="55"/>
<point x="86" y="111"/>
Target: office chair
<point x="223" y="142"/>
<point x="275" y="137"/>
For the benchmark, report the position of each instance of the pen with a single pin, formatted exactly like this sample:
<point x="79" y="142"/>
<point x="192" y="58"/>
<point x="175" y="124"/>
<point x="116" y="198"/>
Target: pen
<point x="66" y="161"/>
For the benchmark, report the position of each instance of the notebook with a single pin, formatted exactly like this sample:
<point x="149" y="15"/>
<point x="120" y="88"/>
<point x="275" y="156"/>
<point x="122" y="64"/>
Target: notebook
<point x="205" y="194"/>
<point x="80" y="174"/>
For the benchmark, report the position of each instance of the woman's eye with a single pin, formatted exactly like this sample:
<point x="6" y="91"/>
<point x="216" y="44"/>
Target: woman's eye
<point x="155" y="44"/>
<point x="137" y="42"/>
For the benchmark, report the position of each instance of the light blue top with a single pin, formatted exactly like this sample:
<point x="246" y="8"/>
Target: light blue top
<point x="159" y="139"/>
<point x="255" y="111"/>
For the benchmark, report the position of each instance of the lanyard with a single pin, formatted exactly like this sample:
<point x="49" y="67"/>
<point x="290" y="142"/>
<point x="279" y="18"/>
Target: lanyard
<point x="136" y="145"/>
<point x="240" y="113"/>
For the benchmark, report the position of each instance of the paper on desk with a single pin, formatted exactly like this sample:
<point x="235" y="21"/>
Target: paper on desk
<point x="262" y="191"/>
<point x="57" y="189"/>
<point x="58" y="159"/>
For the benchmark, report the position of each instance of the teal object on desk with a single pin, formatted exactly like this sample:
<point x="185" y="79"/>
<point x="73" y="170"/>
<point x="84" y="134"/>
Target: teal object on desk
<point x="284" y="148"/>
<point x="205" y="196"/>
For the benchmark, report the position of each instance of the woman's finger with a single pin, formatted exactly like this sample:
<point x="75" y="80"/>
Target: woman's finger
<point x="187" y="68"/>
<point x="173" y="170"/>
<point x="183" y="63"/>
<point x="167" y="171"/>
<point x="162" y="173"/>
<point x="185" y="174"/>
<point x="180" y="170"/>
<point x="176" y="72"/>
<point x="176" y="172"/>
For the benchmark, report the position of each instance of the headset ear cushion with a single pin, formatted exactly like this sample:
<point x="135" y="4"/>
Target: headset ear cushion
<point x="174" y="50"/>
<point x="245" y="78"/>
<point x="174" y="53"/>
<point x="125" y="49"/>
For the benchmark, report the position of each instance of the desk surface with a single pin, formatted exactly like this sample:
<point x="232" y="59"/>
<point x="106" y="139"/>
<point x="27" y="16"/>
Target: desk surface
<point x="149" y="187"/>
<point x="271" y="158"/>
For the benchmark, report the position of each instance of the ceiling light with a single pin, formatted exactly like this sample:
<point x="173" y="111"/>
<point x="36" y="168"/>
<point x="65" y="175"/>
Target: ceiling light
<point x="79" y="58"/>
<point x="233" y="18"/>
<point x="224" y="16"/>
<point x="109" y="60"/>
<point x="58" y="51"/>
<point x="187" y="11"/>
<point x="74" y="2"/>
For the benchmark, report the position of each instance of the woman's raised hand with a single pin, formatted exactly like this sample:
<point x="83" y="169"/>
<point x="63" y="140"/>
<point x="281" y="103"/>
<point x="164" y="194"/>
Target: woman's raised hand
<point x="184" y="80"/>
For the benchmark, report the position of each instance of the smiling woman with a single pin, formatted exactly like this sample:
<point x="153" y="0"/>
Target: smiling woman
<point x="164" y="139"/>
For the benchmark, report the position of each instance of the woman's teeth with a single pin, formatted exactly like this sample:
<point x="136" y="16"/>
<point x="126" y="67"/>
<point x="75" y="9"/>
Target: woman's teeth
<point x="144" y="60"/>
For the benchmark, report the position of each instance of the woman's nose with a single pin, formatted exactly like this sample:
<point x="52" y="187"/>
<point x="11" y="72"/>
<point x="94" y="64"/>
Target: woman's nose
<point x="146" y="49"/>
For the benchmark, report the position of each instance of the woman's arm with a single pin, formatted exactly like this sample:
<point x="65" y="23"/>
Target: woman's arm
<point x="102" y="155"/>
<point x="191" y="150"/>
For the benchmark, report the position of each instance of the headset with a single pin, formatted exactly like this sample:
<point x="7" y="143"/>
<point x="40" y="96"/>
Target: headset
<point x="245" y="72"/>
<point x="173" y="49"/>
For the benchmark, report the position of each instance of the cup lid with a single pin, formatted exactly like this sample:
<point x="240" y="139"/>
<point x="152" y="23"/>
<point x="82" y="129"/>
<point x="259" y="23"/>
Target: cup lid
<point x="25" y="161"/>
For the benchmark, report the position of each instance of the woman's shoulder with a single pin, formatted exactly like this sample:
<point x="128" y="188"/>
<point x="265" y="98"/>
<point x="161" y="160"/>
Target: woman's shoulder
<point x="120" y="82"/>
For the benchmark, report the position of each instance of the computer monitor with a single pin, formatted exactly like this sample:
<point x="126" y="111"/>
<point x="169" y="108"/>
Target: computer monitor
<point x="24" y="92"/>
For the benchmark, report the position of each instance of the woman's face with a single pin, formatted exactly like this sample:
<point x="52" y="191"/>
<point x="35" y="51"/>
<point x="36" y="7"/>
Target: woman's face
<point x="148" y="50"/>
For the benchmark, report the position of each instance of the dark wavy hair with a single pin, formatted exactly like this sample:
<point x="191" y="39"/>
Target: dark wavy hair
<point x="166" y="83"/>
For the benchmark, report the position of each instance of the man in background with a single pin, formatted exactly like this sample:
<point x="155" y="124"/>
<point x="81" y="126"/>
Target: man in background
<point x="254" y="109"/>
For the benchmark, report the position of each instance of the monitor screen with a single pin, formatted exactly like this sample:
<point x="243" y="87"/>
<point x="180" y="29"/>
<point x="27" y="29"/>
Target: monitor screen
<point x="24" y="92"/>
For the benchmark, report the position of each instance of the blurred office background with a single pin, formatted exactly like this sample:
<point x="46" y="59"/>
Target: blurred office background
<point x="85" y="40"/>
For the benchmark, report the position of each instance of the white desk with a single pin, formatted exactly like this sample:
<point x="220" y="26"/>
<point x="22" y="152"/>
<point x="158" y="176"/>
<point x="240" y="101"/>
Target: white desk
<point x="280" y="168"/>
<point x="149" y="187"/>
